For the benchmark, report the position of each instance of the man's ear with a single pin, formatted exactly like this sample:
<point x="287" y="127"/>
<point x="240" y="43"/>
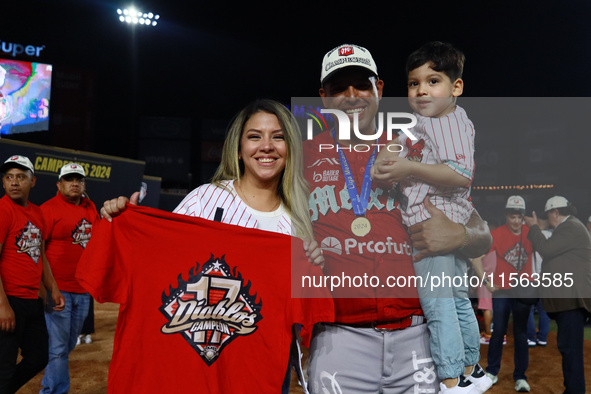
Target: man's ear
<point x="324" y="96"/>
<point x="380" y="88"/>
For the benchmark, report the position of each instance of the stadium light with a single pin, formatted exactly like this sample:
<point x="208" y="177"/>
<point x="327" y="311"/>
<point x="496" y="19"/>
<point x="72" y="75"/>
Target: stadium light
<point x="133" y="16"/>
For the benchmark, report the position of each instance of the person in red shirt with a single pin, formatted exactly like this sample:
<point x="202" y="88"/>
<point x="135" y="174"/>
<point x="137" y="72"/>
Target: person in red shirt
<point x="514" y="253"/>
<point x="23" y="267"/>
<point x="69" y="217"/>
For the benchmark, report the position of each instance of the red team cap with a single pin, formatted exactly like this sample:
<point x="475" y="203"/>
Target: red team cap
<point x="17" y="161"/>
<point x="346" y="55"/>
<point x="72" y="168"/>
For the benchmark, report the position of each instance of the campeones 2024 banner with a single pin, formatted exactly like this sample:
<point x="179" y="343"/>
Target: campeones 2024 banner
<point x="106" y="176"/>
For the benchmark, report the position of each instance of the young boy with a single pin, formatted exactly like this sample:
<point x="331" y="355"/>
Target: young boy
<point x="439" y="166"/>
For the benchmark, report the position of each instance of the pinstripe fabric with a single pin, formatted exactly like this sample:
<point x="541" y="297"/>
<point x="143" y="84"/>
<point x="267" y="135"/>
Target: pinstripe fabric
<point x="447" y="140"/>
<point x="204" y="200"/>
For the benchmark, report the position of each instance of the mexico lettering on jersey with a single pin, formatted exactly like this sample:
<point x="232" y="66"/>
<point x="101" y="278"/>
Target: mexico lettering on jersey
<point x="447" y="140"/>
<point x="385" y="251"/>
<point x="200" y="296"/>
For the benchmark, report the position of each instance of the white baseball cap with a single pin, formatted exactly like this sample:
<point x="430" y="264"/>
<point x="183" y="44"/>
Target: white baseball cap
<point x="516" y="203"/>
<point x="346" y="55"/>
<point x="556" y="202"/>
<point x="72" y="168"/>
<point x="17" y="161"/>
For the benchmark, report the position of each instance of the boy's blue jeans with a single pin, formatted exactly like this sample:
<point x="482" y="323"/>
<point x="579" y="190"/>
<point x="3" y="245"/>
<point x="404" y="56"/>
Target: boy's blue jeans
<point x="63" y="328"/>
<point x="450" y="316"/>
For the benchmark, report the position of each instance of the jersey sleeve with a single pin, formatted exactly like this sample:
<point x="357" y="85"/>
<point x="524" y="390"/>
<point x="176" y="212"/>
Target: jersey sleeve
<point x="101" y="270"/>
<point x="453" y="140"/>
<point x="191" y="204"/>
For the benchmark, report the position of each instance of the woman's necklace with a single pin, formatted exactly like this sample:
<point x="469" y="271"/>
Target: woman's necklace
<point x="249" y="203"/>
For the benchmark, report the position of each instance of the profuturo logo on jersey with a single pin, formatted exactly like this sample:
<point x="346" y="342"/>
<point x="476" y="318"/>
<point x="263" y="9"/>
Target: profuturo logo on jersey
<point x="81" y="234"/>
<point x="353" y="246"/>
<point x="29" y="241"/>
<point x="211" y="309"/>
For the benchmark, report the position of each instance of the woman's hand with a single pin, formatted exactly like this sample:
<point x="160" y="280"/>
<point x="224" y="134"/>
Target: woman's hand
<point x="314" y="252"/>
<point x="114" y="207"/>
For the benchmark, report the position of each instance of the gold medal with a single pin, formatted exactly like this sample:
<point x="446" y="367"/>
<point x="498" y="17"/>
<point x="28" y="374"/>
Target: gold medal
<point x="360" y="226"/>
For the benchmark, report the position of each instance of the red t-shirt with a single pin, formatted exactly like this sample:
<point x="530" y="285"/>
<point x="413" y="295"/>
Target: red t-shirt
<point x="205" y="306"/>
<point x="68" y="230"/>
<point x="384" y="253"/>
<point x="21" y="233"/>
<point x="514" y="255"/>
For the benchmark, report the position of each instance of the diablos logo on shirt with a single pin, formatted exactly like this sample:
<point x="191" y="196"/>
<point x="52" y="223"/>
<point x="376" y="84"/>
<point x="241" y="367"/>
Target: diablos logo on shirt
<point x="81" y="234"/>
<point x="516" y="257"/>
<point x="28" y="241"/>
<point x="211" y="309"/>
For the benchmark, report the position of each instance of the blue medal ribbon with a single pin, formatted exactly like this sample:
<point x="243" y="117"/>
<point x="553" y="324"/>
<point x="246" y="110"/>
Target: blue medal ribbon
<point x="360" y="200"/>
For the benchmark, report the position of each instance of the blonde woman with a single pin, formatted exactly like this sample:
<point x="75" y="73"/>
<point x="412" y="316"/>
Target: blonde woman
<point x="259" y="183"/>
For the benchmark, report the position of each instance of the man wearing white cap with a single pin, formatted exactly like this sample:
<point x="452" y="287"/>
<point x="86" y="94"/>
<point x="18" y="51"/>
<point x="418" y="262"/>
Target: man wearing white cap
<point x="514" y="260"/>
<point x="23" y="266"/>
<point x="379" y="342"/>
<point x="567" y="295"/>
<point x="69" y="217"/>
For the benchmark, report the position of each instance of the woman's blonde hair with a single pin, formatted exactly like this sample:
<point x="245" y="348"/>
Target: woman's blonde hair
<point x="292" y="188"/>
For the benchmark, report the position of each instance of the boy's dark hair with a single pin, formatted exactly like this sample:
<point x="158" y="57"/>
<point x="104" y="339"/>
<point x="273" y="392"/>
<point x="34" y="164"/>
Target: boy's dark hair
<point x="445" y="57"/>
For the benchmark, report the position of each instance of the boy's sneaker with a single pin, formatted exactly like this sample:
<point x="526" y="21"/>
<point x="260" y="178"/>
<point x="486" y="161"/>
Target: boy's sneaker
<point x="463" y="387"/>
<point x="484" y="339"/>
<point x="522" y="386"/>
<point x="505" y="340"/>
<point x="87" y="338"/>
<point x="480" y="379"/>
<point x="78" y="340"/>
<point x="542" y="343"/>
<point x="494" y="379"/>
<point x="531" y="343"/>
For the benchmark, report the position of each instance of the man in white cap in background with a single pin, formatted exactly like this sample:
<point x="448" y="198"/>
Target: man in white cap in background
<point x="69" y="217"/>
<point x="566" y="295"/>
<point x="23" y="267"/>
<point x="514" y="260"/>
